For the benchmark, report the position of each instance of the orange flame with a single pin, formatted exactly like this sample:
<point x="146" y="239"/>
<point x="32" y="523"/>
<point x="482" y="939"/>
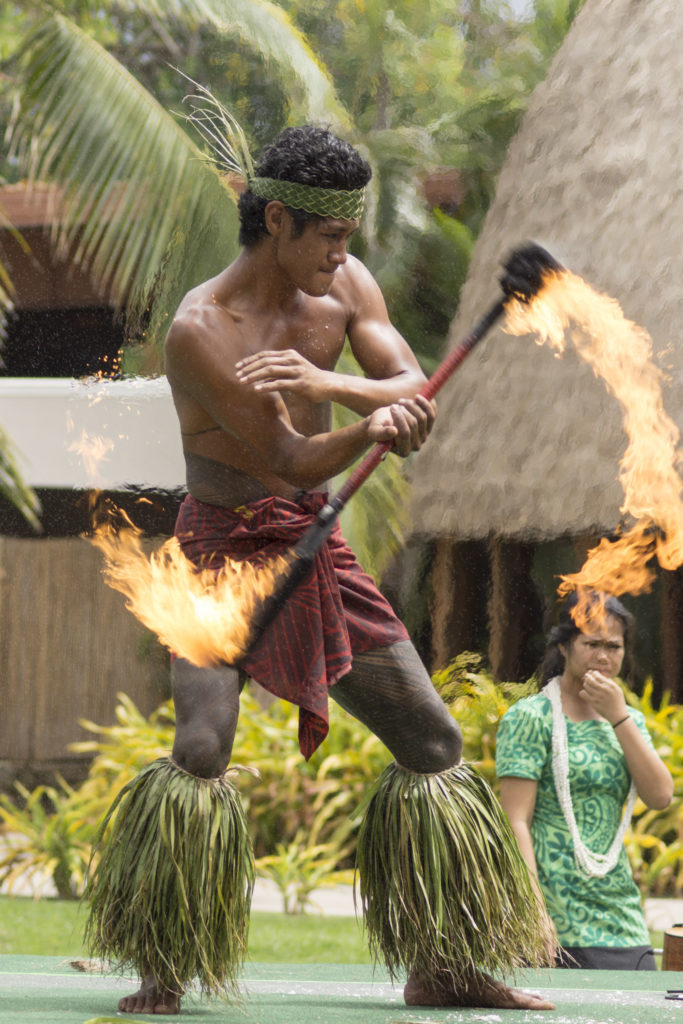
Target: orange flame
<point x="93" y="450"/>
<point x="202" y="615"/>
<point x="620" y="352"/>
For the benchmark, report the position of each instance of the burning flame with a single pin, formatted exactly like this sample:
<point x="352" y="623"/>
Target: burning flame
<point x="93" y="450"/>
<point x="202" y="615"/>
<point x="620" y="352"/>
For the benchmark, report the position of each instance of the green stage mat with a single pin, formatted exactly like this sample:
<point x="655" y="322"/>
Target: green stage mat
<point x="46" y="990"/>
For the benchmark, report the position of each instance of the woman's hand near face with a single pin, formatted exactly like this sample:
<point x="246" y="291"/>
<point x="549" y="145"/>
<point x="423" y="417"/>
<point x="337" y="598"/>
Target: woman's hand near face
<point x="650" y="774"/>
<point x="604" y="695"/>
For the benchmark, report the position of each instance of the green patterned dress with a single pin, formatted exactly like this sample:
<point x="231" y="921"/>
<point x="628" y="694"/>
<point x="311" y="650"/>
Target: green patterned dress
<point x="587" y="912"/>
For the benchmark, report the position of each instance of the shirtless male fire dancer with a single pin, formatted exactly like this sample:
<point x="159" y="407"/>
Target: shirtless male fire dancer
<point x="251" y="358"/>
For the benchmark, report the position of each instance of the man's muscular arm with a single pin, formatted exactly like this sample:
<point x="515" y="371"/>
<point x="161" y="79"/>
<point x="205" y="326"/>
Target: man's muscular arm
<point x="200" y="365"/>
<point x="391" y="370"/>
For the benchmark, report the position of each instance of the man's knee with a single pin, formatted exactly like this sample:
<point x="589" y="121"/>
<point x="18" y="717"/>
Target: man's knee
<point x="207" y="705"/>
<point x="200" y="750"/>
<point x="440" y="747"/>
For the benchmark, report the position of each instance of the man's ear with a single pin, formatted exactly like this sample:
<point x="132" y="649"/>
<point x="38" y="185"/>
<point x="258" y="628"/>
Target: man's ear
<point x="276" y="217"/>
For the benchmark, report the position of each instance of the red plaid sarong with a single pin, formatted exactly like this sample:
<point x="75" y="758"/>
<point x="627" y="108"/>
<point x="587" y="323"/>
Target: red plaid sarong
<point x="334" y="613"/>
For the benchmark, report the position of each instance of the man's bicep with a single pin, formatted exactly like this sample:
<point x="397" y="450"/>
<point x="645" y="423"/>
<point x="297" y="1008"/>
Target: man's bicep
<point x="382" y="353"/>
<point x="380" y="350"/>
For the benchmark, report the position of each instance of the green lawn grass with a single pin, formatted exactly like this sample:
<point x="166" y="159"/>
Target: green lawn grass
<point x="50" y="927"/>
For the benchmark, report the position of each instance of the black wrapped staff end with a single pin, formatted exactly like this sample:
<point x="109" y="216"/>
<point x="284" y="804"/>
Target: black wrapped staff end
<point x="525" y="271"/>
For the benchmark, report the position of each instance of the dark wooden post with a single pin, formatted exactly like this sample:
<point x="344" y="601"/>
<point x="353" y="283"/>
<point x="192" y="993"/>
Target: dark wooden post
<point x="672" y="633"/>
<point x="459" y="585"/>
<point x="514" y="611"/>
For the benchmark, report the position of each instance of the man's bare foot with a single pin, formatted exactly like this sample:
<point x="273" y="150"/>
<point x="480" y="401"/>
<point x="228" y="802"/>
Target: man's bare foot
<point x="150" y="999"/>
<point x="481" y="991"/>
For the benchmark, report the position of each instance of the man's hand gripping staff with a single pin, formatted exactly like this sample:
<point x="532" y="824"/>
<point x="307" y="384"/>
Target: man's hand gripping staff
<point x="524" y="274"/>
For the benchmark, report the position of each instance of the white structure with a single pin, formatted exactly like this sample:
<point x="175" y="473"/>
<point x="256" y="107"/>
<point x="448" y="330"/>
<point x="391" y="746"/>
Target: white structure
<point x="94" y="433"/>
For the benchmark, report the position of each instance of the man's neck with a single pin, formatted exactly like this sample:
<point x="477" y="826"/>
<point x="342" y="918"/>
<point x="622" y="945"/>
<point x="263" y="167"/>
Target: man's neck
<point x="255" y="279"/>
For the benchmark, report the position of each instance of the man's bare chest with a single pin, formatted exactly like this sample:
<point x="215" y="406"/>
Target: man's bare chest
<point x="318" y="339"/>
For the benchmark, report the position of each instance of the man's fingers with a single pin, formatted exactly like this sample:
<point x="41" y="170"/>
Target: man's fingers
<point x="265" y="354"/>
<point x="418" y="414"/>
<point x="266" y="368"/>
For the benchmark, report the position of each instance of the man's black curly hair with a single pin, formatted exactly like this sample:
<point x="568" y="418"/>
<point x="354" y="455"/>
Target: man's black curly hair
<point x="311" y="156"/>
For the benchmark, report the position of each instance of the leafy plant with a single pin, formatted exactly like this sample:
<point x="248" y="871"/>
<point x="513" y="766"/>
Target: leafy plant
<point x="48" y="836"/>
<point x="289" y="794"/>
<point x="478" y="704"/>
<point x="655" y="840"/>
<point x="298" y="867"/>
<point x="299" y="812"/>
<point x="49" y="832"/>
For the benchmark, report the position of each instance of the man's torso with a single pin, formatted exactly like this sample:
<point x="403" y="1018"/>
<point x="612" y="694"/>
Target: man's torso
<point x="222" y="467"/>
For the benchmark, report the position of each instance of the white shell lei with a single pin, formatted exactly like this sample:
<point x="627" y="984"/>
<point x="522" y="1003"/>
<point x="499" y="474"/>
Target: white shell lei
<point x="596" y="865"/>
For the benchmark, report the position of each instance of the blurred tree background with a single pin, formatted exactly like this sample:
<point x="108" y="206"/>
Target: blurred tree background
<point x="436" y="88"/>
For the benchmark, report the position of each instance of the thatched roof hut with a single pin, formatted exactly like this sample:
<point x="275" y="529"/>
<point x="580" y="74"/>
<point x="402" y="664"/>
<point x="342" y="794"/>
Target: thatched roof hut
<point x="527" y="445"/>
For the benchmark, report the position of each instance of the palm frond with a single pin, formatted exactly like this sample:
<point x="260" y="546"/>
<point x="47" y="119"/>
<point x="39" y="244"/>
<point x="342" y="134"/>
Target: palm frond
<point x="138" y="193"/>
<point x="7" y="290"/>
<point x="13" y="487"/>
<point x="267" y="30"/>
<point x="147" y="212"/>
<point x="6" y="299"/>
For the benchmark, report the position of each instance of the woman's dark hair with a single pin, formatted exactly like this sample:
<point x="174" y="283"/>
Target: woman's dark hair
<point x="311" y="156"/>
<point x="566" y="629"/>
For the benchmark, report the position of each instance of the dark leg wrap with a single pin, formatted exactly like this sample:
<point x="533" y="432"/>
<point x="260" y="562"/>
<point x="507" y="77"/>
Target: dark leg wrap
<point x="171" y="891"/>
<point x="445" y="892"/>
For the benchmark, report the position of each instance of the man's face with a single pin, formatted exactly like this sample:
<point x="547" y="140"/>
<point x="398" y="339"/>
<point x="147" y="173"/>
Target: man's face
<point x="312" y="259"/>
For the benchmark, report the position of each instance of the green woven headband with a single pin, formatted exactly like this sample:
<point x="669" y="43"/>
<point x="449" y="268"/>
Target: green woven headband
<point x="326" y="202"/>
<point x="230" y="149"/>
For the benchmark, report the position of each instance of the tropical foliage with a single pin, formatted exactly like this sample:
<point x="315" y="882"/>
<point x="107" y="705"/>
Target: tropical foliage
<point x="300" y="813"/>
<point x="655" y="841"/>
<point x="49" y="834"/>
<point x="12" y="485"/>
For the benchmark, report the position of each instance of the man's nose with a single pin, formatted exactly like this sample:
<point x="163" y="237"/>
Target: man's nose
<point x="338" y="254"/>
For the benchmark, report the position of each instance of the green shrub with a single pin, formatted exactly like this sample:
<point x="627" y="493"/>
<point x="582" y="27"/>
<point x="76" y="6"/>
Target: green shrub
<point x="289" y="794"/>
<point x="49" y="836"/>
<point x="655" y="840"/>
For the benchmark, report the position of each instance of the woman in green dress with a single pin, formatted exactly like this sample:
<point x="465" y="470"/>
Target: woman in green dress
<point x="569" y="759"/>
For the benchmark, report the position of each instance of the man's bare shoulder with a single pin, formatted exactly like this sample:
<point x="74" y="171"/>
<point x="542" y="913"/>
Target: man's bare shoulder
<point x="359" y="294"/>
<point x="355" y="280"/>
<point x="201" y="322"/>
